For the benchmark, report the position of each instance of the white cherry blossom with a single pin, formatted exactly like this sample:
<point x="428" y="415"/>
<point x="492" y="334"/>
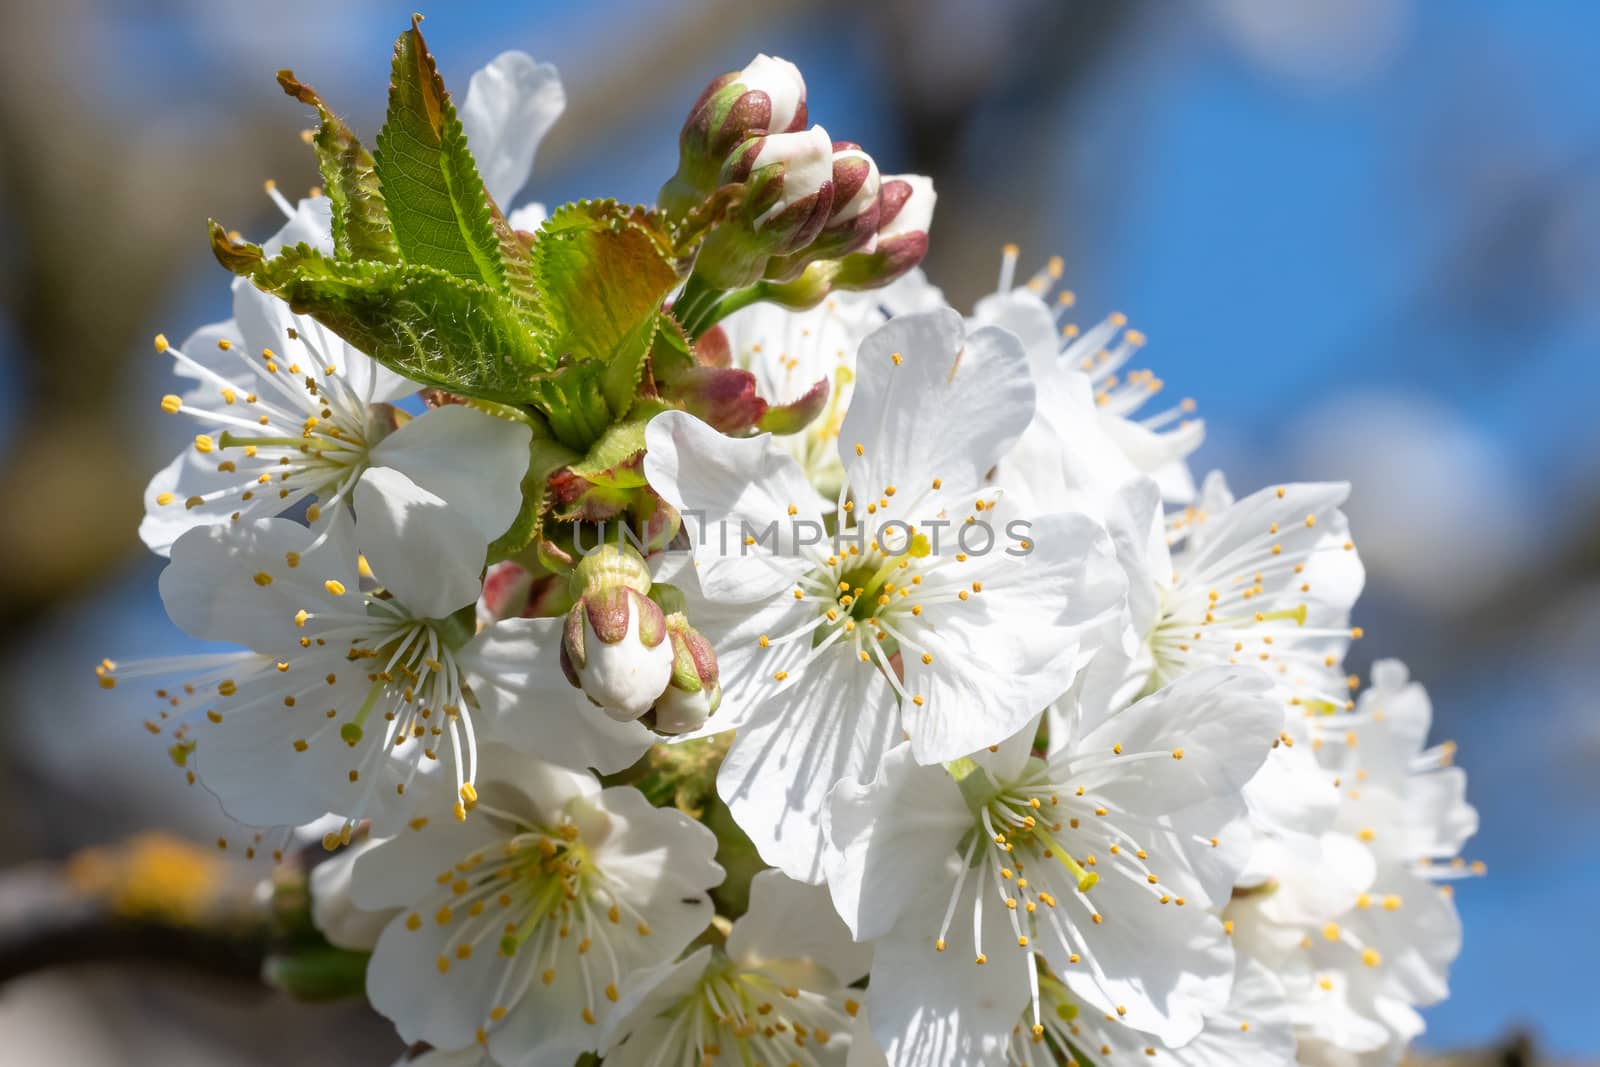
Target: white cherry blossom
<point x="1103" y="859"/>
<point x="292" y="414"/>
<point x="778" y="990"/>
<point x="519" y="927"/>
<point x="1364" y="934"/>
<point x="819" y="638"/>
<point x="352" y="689"/>
<point x="1253" y="1030"/>
<point x="1086" y="396"/>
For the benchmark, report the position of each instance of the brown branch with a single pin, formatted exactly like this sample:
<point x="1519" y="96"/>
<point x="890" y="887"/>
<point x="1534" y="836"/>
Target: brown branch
<point x="47" y="921"/>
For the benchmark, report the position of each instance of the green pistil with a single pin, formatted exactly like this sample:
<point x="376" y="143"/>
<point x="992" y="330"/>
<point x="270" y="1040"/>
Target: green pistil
<point x="552" y="893"/>
<point x="231" y="440"/>
<point x="1052" y="989"/>
<point x="1086" y="879"/>
<point x="351" y="732"/>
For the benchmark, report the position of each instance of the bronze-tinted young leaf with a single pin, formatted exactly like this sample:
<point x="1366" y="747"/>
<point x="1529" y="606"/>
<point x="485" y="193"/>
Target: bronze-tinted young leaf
<point x="240" y="257"/>
<point x="361" y="227"/>
<point x="429" y="325"/>
<point x="437" y="204"/>
<point x="603" y="271"/>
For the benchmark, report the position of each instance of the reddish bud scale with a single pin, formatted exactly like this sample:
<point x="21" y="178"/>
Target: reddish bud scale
<point x="722" y="397"/>
<point x="733" y="108"/>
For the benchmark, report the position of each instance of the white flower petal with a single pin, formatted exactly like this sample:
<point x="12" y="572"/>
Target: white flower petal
<point x="888" y="839"/>
<point x="510" y="105"/>
<point x="425" y="552"/>
<point x="902" y="413"/>
<point x="333" y="909"/>
<point x="838" y="723"/>
<point x="790" y="925"/>
<point x="730" y="490"/>
<point x="939" y="1009"/>
<point x="1001" y="655"/>
<point x="472" y="461"/>
<point x="1221" y="722"/>
<point x="167" y="513"/>
<point x="1159" y="967"/>
<point x="515" y="672"/>
<point x="245" y="582"/>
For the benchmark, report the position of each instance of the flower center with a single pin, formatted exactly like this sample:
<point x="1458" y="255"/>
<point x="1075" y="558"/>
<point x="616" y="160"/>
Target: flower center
<point x="747" y="1010"/>
<point x="301" y="428"/>
<point x="538" y="903"/>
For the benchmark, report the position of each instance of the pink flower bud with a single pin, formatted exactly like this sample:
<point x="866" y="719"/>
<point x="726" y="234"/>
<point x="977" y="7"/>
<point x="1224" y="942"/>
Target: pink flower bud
<point x="787" y="181"/>
<point x="905" y="211"/>
<point x="768" y="96"/>
<point x="694" y="692"/>
<point x="854" y="220"/>
<point x="614" y="645"/>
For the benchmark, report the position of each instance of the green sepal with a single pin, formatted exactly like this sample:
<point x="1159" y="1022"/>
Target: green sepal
<point x="361" y="228"/>
<point x="432" y="326"/>
<point x="604" y="268"/>
<point x="437" y="204"/>
<point x="671" y="352"/>
<point x="545" y="456"/>
<point x="611" y="460"/>
<point x="573" y="399"/>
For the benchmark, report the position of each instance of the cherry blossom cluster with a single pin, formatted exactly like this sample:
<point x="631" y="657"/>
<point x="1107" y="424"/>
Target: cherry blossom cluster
<point x="1045" y="753"/>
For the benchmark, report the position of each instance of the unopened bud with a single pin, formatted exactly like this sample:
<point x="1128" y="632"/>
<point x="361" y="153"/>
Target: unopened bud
<point x="511" y="590"/>
<point x="767" y="96"/>
<point x="905" y="211"/>
<point x="787" y="198"/>
<point x="852" y="224"/>
<point x="694" y="692"/>
<point x="506" y="587"/>
<point x="614" y="645"/>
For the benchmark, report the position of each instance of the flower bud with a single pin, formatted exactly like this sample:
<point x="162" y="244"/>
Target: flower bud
<point x="905" y="211"/>
<point x="787" y="198"/>
<point x="694" y="692"/>
<point x="767" y="96"/>
<point x="614" y="644"/>
<point x="853" y="223"/>
<point x="511" y="591"/>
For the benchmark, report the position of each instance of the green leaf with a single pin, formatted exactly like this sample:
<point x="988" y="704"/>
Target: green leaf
<point x="611" y="459"/>
<point x="361" y="227"/>
<point x="573" y="400"/>
<point x="437" y="204"/>
<point x="604" y="270"/>
<point x="431" y="326"/>
<point x="671" y="353"/>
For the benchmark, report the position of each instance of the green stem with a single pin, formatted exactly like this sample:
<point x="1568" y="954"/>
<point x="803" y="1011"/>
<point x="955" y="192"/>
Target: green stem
<point x="727" y="305"/>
